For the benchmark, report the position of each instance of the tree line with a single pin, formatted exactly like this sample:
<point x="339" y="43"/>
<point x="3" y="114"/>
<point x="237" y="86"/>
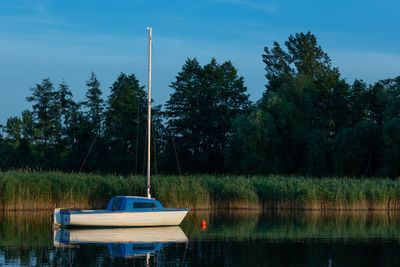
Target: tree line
<point x="309" y="121"/>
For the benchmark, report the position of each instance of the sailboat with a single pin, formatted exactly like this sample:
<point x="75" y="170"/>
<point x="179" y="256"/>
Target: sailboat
<point x="126" y="211"/>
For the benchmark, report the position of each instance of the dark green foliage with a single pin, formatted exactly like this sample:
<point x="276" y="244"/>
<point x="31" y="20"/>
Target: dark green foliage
<point x="340" y="105"/>
<point x="308" y="57"/>
<point x="46" y="109"/>
<point x="8" y="155"/>
<point x="94" y="104"/>
<point x="89" y="130"/>
<point x="358" y="150"/>
<point x="200" y="113"/>
<point x="62" y="134"/>
<point x="15" y="149"/>
<point x="66" y="103"/>
<point x="13" y="129"/>
<point x="392" y="107"/>
<point x="358" y="102"/>
<point x="126" y="124"/>
<point x="309" y="121"/>
<point x="68" y="112"/>
<point x="302" y="94"/>
<point x="391" y="142"/>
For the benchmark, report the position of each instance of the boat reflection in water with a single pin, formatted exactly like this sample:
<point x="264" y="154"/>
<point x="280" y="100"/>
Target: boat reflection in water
<point x="122" y="242"/>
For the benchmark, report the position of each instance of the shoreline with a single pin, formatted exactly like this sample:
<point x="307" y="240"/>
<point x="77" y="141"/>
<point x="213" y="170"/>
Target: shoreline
<point x="233" y="209"/>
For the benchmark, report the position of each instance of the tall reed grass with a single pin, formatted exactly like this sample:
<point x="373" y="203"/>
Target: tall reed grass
<point x="46" y="190"/>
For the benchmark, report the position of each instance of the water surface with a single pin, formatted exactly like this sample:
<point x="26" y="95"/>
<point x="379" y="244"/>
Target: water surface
<point x="236" y="238"/>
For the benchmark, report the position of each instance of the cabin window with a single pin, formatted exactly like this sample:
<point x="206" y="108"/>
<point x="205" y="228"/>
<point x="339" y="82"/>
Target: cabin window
<point x="116" y="205"/>
<point x="143" y="205"/>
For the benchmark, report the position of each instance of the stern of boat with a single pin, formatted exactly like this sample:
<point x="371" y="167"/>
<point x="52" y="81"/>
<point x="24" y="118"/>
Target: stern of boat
<point x="57" y="218"/>
<point x="60" y="218"/>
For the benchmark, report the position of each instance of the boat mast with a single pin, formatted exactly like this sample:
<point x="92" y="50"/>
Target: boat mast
<point x="149" y="116"/>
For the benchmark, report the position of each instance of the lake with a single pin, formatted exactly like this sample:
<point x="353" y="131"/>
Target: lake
<point x="230" y="238"/>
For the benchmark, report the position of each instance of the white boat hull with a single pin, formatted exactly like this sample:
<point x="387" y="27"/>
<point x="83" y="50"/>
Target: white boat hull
<point x="118" y="219"/>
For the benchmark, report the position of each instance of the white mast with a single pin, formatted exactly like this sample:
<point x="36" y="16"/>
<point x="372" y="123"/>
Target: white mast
<point x="149" y="117"/>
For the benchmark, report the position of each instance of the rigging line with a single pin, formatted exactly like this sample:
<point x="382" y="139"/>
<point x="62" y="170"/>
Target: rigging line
<point x="369" y="164"/>
<point x="83" y="164"/>
<point x="155" y="150"/>
<point x="87" y="155"/>
<point x="176" y="154"/>
<point x="144" y="153"/>
<point x="137" y="137"/>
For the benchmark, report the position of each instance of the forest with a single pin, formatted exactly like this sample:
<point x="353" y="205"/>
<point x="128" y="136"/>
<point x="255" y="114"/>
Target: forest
<point x="310" y="121"/>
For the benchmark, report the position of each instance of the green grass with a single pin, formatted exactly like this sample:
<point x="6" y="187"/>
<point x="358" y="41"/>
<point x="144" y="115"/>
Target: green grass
<point x="46" y="190"/>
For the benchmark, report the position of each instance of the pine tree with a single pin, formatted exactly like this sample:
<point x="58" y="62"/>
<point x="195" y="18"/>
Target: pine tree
<point x="125" y="124"/>
<point x="94" y="104"/>
<point x="201" y="110"/>
<point x="46" y="109"/>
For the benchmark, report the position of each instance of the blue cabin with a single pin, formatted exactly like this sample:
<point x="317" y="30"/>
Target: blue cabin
<point x="128" y="203"/>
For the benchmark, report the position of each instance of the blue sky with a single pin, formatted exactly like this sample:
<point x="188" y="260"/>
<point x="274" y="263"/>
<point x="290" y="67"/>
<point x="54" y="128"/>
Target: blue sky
<point x="70" y="39"/>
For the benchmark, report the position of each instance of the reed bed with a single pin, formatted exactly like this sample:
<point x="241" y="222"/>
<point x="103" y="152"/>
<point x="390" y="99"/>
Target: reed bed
<point x="27" y="190"/>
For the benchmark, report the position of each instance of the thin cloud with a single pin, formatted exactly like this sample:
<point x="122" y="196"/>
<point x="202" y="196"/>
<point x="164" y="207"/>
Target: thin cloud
<point x="248" y="4"/>
<point x="14" y="20"/>
<point x="23" y="5"/>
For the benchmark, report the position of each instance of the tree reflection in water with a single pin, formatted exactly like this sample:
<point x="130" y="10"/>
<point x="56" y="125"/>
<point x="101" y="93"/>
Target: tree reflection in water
<point x="240" y="238"/>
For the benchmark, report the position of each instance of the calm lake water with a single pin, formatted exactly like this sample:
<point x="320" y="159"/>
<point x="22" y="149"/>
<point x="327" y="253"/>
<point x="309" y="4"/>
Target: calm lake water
<point x="239" y="238"/>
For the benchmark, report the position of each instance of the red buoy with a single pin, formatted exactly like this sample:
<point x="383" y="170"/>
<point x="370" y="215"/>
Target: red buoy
<point x="203" y="224"/>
